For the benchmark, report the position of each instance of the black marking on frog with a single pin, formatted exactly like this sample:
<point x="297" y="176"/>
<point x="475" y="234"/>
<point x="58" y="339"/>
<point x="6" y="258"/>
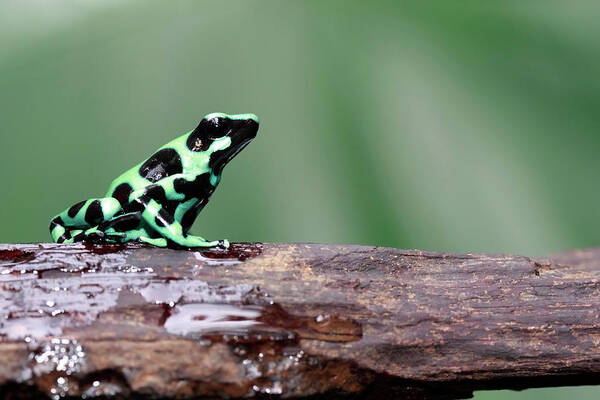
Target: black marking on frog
<point x="199" y="188"/>
<point x="122" y="192"/>
<point x="163" y="163"/>
<point x="58" y="221"/>
<point x="190" y="216"/>
<point x="94" y="214"/>
<point x="123" y="223"/>
<point x="75" y="209"/>
<point x="164" y="218"/>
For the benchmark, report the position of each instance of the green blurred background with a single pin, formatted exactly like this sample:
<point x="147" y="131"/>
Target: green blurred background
<point x="467" y="126"/>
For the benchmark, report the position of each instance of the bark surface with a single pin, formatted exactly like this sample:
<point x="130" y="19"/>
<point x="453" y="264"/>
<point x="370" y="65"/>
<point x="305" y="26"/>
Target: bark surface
<point x="292" y="320"/>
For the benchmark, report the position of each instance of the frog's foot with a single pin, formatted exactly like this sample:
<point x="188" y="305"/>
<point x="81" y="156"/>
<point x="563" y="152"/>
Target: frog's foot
<point x="224" y="243"/>
<point x="69" y="237"/>
<point x="191" y="242"/>
<point x="95" y="235"/>
<point x="158" y="242"/>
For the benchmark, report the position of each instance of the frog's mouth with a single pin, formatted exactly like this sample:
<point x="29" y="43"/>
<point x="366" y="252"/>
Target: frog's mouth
<point x="241" y="133"/>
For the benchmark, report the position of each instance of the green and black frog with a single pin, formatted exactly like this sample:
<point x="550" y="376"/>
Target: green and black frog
<point x="157" y="201"/>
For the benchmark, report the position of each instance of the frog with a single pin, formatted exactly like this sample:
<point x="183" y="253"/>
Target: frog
<point x="157" y="201"/>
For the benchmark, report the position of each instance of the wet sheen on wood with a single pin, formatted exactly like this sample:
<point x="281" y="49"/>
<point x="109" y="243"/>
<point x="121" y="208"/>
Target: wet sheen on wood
<point x="292" y="320"/>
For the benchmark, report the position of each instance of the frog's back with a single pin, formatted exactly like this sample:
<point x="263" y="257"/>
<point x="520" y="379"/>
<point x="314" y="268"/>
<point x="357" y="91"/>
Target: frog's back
<point x="166" y="161"/>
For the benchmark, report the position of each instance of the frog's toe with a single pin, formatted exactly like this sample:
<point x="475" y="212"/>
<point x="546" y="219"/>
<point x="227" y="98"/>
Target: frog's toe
<point x="115" y="235"/>
<point x="158" y="242"/>
<point x="94" y="237"/>
<point x="65" y="240"/>
<point x="223" y="244"/>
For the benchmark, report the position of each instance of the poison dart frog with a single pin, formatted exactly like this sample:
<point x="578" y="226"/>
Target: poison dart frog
<point x="157" y="201"/>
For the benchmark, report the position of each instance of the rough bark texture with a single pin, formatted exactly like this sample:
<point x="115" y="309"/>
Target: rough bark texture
<point x="292" y="320"/>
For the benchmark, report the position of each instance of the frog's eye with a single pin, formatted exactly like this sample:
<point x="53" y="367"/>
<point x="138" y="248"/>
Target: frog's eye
<point x="197" y="143"/>
<point x="207" y="131"/>
<point x="198" y="140"/>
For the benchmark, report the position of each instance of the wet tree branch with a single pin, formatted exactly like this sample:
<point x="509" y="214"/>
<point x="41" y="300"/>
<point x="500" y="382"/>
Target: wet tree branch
<point x="293" y="320"/>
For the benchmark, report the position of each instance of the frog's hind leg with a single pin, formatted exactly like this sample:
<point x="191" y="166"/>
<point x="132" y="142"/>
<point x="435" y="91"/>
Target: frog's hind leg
<point x="132" y="228"/>
<point x="70" y="225"/>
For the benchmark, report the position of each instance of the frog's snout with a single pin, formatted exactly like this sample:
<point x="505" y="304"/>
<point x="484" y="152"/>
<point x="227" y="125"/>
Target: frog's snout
<point x="244" y="128"/>
<point x="241" y="129"/>
<point x="249" y="128"/>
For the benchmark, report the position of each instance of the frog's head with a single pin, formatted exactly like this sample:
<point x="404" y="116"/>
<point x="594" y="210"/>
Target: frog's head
<point x="222" y="137"/>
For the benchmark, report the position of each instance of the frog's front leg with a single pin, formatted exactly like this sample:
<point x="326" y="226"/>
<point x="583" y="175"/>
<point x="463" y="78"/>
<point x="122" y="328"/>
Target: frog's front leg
<point x="70" y="225"/>
<point x="165" y="224"/>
